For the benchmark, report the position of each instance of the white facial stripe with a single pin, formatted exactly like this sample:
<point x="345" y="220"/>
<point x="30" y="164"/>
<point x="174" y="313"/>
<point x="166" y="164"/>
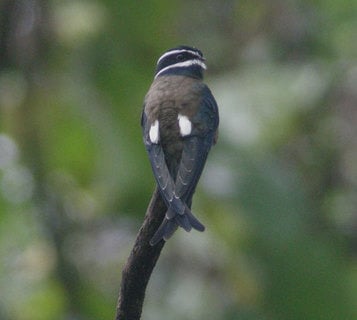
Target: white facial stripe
<point x="185" y="125"/>
<point x="154" y="132"/>
<point x="176" y="52"/>
<point x="184" y="64"/>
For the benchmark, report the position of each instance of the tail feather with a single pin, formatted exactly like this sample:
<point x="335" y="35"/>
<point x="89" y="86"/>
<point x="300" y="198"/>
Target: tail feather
<point x="183" y="222"/>
<point x="166" y="229"/>
<point x="169" y="225"/>
<point x="195" y="223"/>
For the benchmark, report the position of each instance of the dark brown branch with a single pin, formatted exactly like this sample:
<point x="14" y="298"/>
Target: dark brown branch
<point x="141" y="262"/>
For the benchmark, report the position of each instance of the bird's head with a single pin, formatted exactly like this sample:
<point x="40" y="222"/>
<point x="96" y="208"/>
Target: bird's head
<point x="182" y="60"/>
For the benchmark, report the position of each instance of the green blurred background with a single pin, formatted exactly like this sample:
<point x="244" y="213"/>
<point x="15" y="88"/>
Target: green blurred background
<point x="279" y="192"/>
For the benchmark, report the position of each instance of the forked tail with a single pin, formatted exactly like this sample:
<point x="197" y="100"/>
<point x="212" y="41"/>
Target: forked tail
<point x="172" y="221"/>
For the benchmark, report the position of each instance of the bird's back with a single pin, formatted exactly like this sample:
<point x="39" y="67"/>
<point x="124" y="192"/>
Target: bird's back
<point x="167" y="98"/>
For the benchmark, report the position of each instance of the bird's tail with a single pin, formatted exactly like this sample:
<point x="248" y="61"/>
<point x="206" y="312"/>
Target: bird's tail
<point x="172" y="221"/>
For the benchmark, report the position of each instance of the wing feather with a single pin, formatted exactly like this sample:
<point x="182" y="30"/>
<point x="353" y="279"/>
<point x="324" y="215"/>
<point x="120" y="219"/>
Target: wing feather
<point x="197" y="146"/>
<point x="178" y="194"/>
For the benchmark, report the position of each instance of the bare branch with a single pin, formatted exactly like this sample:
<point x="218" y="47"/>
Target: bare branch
<point x="141" y="262"/>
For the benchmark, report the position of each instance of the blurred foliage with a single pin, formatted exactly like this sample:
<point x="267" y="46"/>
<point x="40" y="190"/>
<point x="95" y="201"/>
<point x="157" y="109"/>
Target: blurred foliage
<point x="279" y="193"/>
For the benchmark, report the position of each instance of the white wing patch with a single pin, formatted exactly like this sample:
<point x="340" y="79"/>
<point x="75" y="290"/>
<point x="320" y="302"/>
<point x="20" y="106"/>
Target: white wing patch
<point x="184" y="124"/>
<point x="154" y="132"/>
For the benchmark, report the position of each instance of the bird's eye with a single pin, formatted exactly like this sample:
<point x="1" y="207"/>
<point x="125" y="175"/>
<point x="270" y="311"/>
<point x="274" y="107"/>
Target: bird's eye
<point x="179" y="57"/>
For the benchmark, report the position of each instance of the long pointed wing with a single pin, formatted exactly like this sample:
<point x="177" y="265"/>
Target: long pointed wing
<point x="193" y="159"/>
<point x="197" y="146"/>
<point x="161" y="171"/>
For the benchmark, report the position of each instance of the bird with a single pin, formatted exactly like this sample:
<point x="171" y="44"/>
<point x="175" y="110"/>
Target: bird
<point x="179" y="123"/>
